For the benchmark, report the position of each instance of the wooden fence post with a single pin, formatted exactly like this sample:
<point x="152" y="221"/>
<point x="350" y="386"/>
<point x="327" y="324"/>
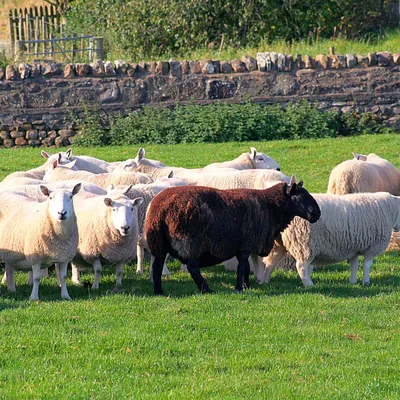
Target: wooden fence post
<point x="98" y="48"/>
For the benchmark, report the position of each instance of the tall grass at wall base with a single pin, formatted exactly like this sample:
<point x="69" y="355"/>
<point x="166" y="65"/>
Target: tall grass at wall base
<point x="222" y="122"/>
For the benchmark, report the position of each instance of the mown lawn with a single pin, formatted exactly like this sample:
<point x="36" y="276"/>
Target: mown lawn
<point x="276" y="341"/>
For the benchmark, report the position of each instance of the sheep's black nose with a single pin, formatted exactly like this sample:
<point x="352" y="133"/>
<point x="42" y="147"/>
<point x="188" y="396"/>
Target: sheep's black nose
<point x="125" y="228"/>
<point x="62" y="214"/>
<point x="278" y="169"/>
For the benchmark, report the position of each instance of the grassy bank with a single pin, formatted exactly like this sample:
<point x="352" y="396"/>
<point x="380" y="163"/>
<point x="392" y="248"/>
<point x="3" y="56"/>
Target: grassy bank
<point x="275" y="341"/>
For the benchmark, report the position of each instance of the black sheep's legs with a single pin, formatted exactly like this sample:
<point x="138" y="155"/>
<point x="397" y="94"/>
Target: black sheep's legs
<point x="157" y="268"/>
<point x="243" y="272"/>
<point x="194" y="270"/>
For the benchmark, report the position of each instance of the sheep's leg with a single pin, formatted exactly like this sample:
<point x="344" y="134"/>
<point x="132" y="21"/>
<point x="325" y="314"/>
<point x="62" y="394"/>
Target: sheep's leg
<point x="231" y="264"/>
<point x="4" y="280"/>
<point x="354" y="268"/>
<point x="63" y="276"/>
<point x="9" y="274"/>
<point x="97" y="273"/>
<point x="302" y="269"/>
<point x="268" y="264"/>
<point x="243" y="272"/>
<point x="118" y="272"/>
<point x="194" y="270"/>
<point x="37" y="274"/>
<point x="165" y="270"/>
<point x="366" y="268"/>
<point x="44" y="272"/>
<point x="156" y="273"/>
<point x="140" y="257"/>
<point x="76" y="276"/>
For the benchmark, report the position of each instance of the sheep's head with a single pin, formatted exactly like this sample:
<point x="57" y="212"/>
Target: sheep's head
<point x="59" y="161"/>
<point x="303" y="204"/>
<point x="123" y="213"/>
<point x="262" y="161"/>
<point x="129" y="165"/>
<point x="60" y="202"/>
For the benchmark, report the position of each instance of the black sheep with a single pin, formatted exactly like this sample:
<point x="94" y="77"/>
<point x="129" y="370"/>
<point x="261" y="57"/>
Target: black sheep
<point x="201" y="226"/>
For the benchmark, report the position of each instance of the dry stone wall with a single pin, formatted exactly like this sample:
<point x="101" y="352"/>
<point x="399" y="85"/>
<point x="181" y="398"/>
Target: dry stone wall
<point x="40" y="104"/>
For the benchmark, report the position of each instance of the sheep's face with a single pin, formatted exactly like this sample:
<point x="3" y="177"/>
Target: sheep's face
<point x="262" y="161"/>
<point x="129" y="165"/>
<point x="123" y="213"/>
<point x="304" y="205"/>
<point x="60" y="202"/>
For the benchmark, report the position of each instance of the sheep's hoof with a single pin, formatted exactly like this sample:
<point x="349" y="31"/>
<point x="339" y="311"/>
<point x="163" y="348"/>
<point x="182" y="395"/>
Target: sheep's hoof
<point x="160" y="293"/>
<point x="367" y="283"/>
<point x="239" y="291"/>
<point x="139" y="272"/>
<point x="33" y="298"/>
<point x="67" y="298"/>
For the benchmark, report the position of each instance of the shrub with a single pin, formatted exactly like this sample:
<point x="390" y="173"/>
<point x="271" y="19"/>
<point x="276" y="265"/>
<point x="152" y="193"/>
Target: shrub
<point x="222" y="122"/>
<point x="150" y="28"/>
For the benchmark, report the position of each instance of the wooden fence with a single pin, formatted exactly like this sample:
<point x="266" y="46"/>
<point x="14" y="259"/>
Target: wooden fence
<point x="39" y="33"/>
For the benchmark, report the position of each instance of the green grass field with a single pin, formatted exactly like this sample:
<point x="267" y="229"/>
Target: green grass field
<point x="278" y="341"/>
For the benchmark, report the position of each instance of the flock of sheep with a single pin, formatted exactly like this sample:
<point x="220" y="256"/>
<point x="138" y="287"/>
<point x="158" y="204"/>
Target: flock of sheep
<point x="244" y="212"/>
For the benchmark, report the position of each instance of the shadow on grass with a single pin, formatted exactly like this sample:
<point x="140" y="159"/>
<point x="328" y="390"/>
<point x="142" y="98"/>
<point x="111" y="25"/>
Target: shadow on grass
<point x="331" y="281"/>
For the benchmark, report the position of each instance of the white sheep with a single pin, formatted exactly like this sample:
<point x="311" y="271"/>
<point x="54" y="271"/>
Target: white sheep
<point x="147" y="192"/>
<point x="108" y="234"/>
<point x="252" y="160"/>
<point x="369" y="173"/>
<point x="47" y="235"/>
<point x="350" y="225"/>
<point x="56" y="172"/>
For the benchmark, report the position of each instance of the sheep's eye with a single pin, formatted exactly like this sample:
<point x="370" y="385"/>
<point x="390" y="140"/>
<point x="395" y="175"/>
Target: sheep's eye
<point x="114" y="209"/>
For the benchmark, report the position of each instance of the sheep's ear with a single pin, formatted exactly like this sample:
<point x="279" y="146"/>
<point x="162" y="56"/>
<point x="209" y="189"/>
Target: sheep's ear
<point x="108" y="202"/>
<point x="292" y="185"/>
<point x="45" y="190"/>
<point x="45" y="154"/>
<point x="125" y="192"/>
<point x="171" y="174"/>
<point x="253" y="152"/>
<point x="68" y="153"/>
<point x="140" y="155"/>
<point x="138" y="201"/>
<point x="301" y="183"/>
<point x="54" y="164"/>
<point x="359" y="157"/>
<point x="59" y="157"/>
<point x="70" y="165"/>
<point x="76" y="189"/>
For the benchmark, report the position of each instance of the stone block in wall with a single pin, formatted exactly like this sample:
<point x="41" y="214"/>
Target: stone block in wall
<point x="17" y="134"/>
<point x="98" y="69"/>
<point x="175" y="69"/>
<point x="72" y="139"/>
<point x="207" y="67"/>
<point x="24" y="70"/>
<point x="321" y="61"/>
<point x="288" y="63"/>
<point x="11" y="73"/>
<point x="281" y="62"/>
<point x="8" y="143"/>
<point x="372" y="59"/>
<point x="58" y="142"/>
<point x="69" y="71"/>
<point x="34" y="143"/>
<point x="363" y="61"/>
<point x="109" y="68"/>
<point x="32" y="134"/>
<point x="298" y="61"/>
<point x="337" y="61"/>
<point x="36" y="70"/>
<point x="226" y="67"/>
<point x="42" y="135"/>
<point x="51" y="68"/>
<point x="48" y="141"/>
<point x="151" y="67"/>
<point x="52" y="134"/>
<point x="131" y="69"/>
<point x="351" y="60"/>
<point x="66" y="133"/>
<point x="2" y="73"/>
<point x="195" y="67"/>
<point x="308" y="61"/>
<point x="396" y="59"/>
<point x="20" y="141"/>
<point x="5" y="135"/>
<point x="274" y="59"/>
<point x="238" y="66"/>
<point x="261" y="61"/>
<point x="384" y="58"/>
<point x="393" y="122"/>
<point x="250" y="63"/>
<point x="185" y="67"/>
<point x="120" y="66"/>
<point x="24" y="127"/>
<point x="217" y="66"/>
<point x="141" y="67"/>
<point x="82" y="69"/>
